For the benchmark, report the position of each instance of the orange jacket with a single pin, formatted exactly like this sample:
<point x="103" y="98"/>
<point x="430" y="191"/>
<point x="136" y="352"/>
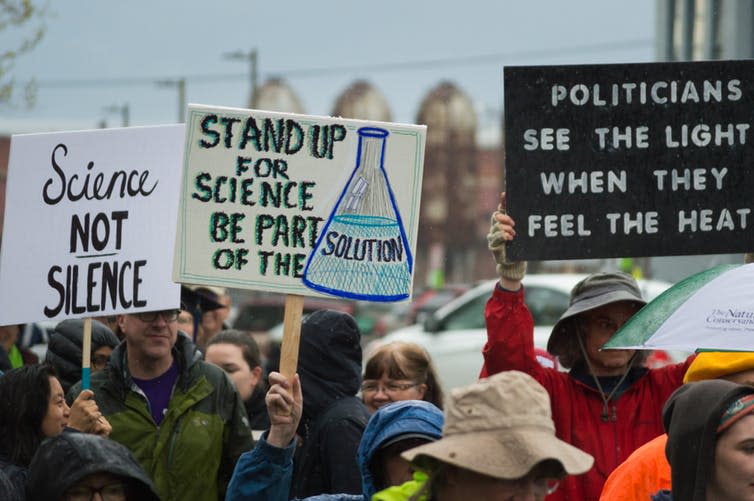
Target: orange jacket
<point x="645" y="472"/>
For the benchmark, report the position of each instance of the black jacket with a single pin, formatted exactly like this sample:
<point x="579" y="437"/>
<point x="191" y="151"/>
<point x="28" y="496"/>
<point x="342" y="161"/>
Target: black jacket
<point x="8" y="490"/>
<point x="4" y="360"/>
<point x="333" y="419"/>
<point x="13" y="479"/>
<point x="63" y="460"/>
<point x="256" y="409"/>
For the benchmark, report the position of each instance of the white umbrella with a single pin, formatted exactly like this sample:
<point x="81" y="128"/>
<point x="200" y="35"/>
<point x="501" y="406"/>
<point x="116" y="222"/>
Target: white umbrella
<point x="711" y="310"/>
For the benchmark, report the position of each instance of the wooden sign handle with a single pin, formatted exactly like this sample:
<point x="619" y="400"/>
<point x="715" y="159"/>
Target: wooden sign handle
<point x="86" y="354"/>
<point x="294" y="308"/>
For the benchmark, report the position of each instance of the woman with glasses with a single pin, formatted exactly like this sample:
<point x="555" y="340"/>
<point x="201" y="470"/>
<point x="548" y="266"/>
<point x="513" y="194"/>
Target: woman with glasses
<point x="399" y="371"/>
<point x="64" y="349"/>
<point x="80" y="467"/>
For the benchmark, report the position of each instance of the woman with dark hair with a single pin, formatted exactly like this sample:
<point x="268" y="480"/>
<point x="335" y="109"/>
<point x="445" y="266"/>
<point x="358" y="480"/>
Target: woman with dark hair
<point x="400" y="371"/>
<point x="32" y="408"/>
<point x="238" y="355"/>
<point x="710" y="427"/>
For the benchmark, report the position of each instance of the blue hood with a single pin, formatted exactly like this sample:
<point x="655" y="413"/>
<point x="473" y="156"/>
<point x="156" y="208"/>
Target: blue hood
<point x="392" y="420"/>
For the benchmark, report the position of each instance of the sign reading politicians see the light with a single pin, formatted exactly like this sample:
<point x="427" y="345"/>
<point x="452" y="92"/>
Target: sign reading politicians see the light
<point x="630" y="159"/>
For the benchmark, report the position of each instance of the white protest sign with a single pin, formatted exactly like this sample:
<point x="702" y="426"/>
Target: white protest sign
<point x="90" y="223"/>
<point x="299" y="204"/>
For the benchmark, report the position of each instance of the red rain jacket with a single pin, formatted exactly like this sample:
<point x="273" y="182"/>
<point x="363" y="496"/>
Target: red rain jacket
<point x="576" y="408"/>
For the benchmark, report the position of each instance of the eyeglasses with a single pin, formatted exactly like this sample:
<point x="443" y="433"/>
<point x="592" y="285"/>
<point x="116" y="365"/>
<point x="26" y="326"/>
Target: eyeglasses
<point x="185" y="317"/>
<point x="540" y="486"/>
<point x="545" y="486"/>
<point x="99" y="361"/>
<point x="604" y="324"/>
<point x="111" y="492"/>
<point x="608" y="323"/>
<point x="390" y="387"/>
<point x="539" y="480"/>
<point x="150" y="316"/>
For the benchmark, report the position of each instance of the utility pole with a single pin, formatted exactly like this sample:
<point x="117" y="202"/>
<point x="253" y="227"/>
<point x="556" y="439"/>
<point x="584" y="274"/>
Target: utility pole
<point x="180" y="84"/>
<point x="124" y="110"/>
<point x="252" y="57"/>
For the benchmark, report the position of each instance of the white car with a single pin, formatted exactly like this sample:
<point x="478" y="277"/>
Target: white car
<point x="455" y="334"/>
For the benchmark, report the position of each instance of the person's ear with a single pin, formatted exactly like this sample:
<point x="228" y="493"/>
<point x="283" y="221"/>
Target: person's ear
<point x="256" y="373"/>
<point x="120" y="321"/>
<point x="422" y="389"/>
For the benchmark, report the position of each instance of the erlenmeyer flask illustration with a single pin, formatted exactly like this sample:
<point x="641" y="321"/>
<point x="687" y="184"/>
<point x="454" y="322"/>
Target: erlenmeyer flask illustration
<point x="362" y="251"/>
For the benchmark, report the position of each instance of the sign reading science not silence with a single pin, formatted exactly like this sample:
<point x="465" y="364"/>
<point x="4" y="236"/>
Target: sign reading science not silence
<point x="299" y="204"/>
<point x="630" y="160"/>
<point x="88" y="218"/>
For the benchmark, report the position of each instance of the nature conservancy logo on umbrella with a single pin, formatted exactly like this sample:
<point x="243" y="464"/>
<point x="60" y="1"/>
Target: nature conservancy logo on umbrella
<point x="731" y="319"/>
<point x="711" y="310"/>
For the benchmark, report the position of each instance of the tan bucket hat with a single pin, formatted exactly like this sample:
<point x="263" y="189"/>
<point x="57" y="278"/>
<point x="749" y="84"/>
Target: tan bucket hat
<point x="598" y="289"/>
<point x="501" y="427"/>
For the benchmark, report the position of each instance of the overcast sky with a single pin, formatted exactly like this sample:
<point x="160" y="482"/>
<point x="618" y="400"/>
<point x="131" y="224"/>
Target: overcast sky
<point x="100" y="53"/>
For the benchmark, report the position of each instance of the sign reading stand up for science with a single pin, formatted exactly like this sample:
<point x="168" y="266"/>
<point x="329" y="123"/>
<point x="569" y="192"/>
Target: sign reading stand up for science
<point x="630" y="159"/>
<point x="89" y="223"/>
<point x="299" y="204"/>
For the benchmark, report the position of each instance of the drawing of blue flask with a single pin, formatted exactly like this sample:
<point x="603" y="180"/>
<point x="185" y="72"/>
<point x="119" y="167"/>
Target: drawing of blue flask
<point x="362" y="251"/>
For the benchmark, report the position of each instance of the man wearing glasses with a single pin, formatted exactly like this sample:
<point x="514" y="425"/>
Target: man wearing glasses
<point x="181" y="417"/>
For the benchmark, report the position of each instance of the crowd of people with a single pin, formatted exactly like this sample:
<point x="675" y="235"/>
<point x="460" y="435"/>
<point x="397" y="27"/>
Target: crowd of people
<point x="180" y="407"/>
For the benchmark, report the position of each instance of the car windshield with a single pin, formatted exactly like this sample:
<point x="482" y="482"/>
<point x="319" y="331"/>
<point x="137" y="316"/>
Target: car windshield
<point x="546" y="306"/>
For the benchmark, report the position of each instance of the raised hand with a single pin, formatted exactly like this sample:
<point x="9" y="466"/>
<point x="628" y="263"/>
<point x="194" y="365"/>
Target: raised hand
<point x="502" y="230"/>
<point x="86" y="416"/>
<point x="285" y="403"/>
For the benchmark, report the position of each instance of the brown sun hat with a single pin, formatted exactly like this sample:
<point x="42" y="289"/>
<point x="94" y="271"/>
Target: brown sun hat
<point x="501" y="427"/>
<point x="598" y="289"/>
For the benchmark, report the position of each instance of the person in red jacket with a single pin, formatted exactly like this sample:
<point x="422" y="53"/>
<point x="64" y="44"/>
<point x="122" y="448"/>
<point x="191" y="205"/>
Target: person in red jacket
<point x="608" y="404"/>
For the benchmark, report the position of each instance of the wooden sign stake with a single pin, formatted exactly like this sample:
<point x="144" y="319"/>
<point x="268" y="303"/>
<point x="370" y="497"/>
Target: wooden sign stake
<point x="86" y="354"/>
<point x="294" y="308"/>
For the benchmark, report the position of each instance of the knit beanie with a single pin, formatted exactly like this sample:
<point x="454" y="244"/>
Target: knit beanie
<point x="717" y="364"/>
<point x="64" y="348"/>
<point x="691" y="417"/>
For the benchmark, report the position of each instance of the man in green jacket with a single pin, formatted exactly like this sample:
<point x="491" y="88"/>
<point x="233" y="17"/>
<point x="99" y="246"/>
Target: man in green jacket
<point x="181" y="417"/>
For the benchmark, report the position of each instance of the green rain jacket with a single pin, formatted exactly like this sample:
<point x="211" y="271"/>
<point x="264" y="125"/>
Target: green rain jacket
<point x="191" y="455"/>
<point x="409" y="491"/>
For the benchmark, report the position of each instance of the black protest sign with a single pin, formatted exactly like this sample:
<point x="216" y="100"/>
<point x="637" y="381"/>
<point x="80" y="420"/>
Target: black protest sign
<point x="629" y="159"/>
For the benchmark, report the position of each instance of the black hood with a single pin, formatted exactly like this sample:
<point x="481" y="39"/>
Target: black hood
<point x="64" y="348"/>
<point x="329" y="363"/>
<point x="691" y="417"/>
<point x="63" y="460"/>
